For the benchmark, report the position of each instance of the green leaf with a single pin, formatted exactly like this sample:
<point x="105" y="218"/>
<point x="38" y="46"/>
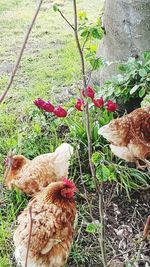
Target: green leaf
<point x="82" y="15"/>
<point x="147" y="55"/>
<point x="37" y="128"/>
<point x="85" y="33"/>
<point x="142" y="72"/>
<point x="55" y="7"/>
<point x="134" y="89"/>
<point x="142" y="92"/>
<point x="96" y="34"/>
<point x="96" y="63"/>
<point x="91" y="228"/>
<point x="105" y="172"/>
<point x="96" y="157"/>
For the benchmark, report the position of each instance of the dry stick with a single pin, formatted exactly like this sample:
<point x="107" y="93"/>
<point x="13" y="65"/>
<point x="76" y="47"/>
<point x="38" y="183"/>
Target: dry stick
<point x="139" y="253"/>
<point x="146" y="227"/>
<point x="30" y="232"/>
<point x="20" y="54"/>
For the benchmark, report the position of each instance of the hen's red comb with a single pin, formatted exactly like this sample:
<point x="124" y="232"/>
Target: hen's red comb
<point x="69" y="183"/>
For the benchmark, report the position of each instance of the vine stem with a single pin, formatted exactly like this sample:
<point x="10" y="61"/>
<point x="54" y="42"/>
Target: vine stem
<point x="20" y="53"/>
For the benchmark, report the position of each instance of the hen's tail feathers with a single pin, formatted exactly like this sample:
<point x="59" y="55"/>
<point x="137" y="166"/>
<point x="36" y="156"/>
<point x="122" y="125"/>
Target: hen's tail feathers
<point x="62" y="156"/>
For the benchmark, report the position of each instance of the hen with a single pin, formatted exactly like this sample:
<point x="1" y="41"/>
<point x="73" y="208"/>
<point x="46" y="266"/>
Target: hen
<point x="130" y="136"/>
<point x="52" y="213"/>
<point x="31" y="176"/>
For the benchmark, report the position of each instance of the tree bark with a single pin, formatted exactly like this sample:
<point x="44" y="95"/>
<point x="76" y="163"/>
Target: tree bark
<point x="127" y="26"/>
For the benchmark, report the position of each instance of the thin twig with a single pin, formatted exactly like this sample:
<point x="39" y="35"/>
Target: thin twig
<point x="102" y="230"/>
<point x="146" y="227"/>
<point x="66" y="19"/>
<point x="20" y="53"/>
<point x="85" y="192"/>
<point x="139" y="253"/>
<point x="120" y="254"/>
<point x="30" y="232"/>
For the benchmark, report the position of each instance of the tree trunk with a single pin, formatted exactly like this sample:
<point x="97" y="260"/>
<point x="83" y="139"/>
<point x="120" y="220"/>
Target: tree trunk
<point x="127" y="26"/>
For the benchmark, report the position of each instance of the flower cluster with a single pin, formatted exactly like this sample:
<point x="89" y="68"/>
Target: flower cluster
<point x="62" y="113"/>
<point x="48" y="107"/>
<point x="98" y="102"/>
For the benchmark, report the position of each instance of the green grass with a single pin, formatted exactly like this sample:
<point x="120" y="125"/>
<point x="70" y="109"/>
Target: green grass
<point x="50" y="64"/>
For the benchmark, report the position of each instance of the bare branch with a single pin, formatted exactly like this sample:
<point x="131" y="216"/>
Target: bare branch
<point x="30" y="232"/>
<point x="20" y="54"/>
<point x="66" y="19"/>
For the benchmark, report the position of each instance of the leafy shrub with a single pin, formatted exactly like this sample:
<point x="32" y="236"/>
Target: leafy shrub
<point x="132" y="83"/>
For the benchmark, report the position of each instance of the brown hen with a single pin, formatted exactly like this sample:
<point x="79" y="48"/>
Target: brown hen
<point x="130" y="136"/>
<point x="31" y="176"/>
<point x="53" y="213"/>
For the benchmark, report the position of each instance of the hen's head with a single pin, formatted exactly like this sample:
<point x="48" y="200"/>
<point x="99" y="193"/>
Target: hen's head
<point x="62" y="190"/>
<point x="13" y="167"/>
<point x="69" y="188"/>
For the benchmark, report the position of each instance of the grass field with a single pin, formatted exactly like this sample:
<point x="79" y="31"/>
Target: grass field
<point x="49" y="69"/>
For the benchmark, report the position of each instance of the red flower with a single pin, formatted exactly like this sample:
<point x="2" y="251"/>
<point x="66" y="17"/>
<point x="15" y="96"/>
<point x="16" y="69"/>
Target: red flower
<point x="99" y="102"/>
<point x="60" y="112"/>
<point x="79" y="104"/>
<point x="47" y="106"/>
<point x="111" y="106"/>
<point x="39" y="103"/>
<point x="90" y="92"/>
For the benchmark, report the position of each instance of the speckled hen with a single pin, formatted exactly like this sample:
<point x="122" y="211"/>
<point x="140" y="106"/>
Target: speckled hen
<point x="53" y="213"/>
<point x="31" y="176"/>
<point x="130" y="136"/>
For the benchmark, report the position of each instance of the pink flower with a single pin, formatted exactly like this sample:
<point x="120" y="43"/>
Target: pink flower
<point x="90" y="92"/>
<point x="47" y="106"/>
<point x="60" y="112"/>
<point x="99" y="102"/>
<point x="80" y="102"/>
<point x="111" y="106"/>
